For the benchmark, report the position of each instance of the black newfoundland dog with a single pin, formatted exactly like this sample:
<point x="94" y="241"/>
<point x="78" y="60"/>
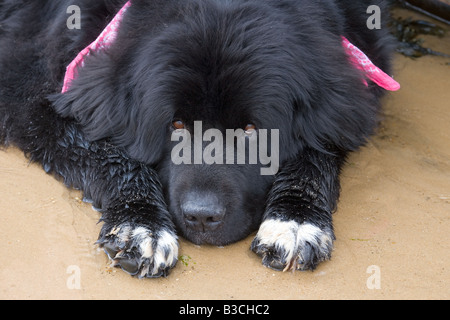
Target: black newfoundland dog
<point x="145" y="75"/>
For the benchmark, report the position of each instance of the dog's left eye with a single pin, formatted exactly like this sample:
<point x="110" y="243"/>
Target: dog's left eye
<point x="249" y="129"/>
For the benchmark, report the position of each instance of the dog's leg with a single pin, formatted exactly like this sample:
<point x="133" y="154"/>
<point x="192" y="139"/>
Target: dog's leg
<point x="297" y="230"/>
<point x="138" y="234"/>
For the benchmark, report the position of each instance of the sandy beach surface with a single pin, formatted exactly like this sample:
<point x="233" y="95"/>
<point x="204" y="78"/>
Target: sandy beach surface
<point x="392" y="224"/>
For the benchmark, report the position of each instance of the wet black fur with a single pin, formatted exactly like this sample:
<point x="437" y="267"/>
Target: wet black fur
<point x="277" y="64"/>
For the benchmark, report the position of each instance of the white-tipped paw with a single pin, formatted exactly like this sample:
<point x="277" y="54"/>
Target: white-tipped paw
<point x="139" y="251"/>
<point x="288" y="245"/>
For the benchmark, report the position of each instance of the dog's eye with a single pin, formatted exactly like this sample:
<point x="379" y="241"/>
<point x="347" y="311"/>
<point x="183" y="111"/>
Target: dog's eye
<point x="178" y="124"/>
<point x="249" y="129"/>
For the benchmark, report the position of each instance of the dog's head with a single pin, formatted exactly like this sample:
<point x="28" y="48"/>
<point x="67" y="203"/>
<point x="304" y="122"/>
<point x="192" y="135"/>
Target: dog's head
<point x="171" y="90"/>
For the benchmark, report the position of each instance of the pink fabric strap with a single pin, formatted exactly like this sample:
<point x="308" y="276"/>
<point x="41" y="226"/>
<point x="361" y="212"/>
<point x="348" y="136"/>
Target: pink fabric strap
<point x="103" y="41"/>
<point x="362" y="62"/>
<point x="108" y="36"/>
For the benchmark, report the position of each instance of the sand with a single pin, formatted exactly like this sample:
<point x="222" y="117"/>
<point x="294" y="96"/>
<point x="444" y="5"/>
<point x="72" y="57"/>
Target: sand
<point x="392" y="225"/>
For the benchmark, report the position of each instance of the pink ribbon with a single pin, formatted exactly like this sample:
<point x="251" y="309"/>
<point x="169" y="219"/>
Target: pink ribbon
<point x="362" y="62"/>
<point x="104" y="40"/>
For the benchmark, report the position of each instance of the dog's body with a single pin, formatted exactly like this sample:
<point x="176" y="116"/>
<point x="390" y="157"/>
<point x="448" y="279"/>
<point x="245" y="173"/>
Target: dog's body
<point x="272" y="64"/>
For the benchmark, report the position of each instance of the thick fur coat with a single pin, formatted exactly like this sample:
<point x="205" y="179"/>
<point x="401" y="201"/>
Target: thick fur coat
<point x="273" y="64"/>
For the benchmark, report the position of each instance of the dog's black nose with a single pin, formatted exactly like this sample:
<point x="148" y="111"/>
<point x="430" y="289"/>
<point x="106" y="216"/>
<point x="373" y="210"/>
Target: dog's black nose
<point x="202" y="211"/>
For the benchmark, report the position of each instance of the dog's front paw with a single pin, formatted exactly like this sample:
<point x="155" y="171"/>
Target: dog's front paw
<point x="138" y="250"/>
<point x="288" y="245"/>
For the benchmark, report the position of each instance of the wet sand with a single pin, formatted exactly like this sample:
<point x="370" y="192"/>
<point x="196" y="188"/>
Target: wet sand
<point x="394" y="214"/>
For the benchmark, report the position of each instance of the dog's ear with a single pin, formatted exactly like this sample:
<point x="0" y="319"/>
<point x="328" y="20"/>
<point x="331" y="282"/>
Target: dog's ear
<point x="103" y="100"/>
<point x="336" y="111"/>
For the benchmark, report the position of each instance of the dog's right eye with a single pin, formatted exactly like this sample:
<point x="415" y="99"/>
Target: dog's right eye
<point x="178" y="125"/>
